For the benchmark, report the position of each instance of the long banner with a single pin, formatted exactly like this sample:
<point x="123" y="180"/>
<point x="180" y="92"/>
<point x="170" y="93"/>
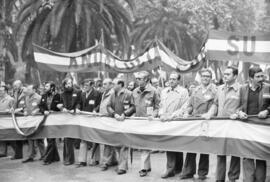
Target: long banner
<point x="217" y="136"/>
<point x="231" y="46"/>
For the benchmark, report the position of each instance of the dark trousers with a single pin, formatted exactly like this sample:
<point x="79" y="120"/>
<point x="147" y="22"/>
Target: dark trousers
<point x="51" y="153"/>
<point x="32" y="148"/>
<point x="254" y="170"/>
<point x="190" y="165"/>
<point x="174" y="161"/>
<point x="234" y="170"/>
<point x="17" y="147"/>
<point x="68" y="153"/>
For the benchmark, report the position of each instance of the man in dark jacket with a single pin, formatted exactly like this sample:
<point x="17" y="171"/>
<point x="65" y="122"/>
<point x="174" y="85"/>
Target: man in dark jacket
<point x="70" y="100"/>
<point x="254" y="100"/>
<point x="48" y="103"/>
<point x="90" y="101"/>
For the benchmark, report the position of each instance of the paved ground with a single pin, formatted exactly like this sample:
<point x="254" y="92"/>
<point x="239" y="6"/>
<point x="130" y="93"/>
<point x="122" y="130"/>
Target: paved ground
<point x="57" y="172"/>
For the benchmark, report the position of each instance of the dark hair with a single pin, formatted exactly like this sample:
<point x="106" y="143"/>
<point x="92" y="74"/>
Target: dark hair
<point x="146" y="75"/>
<point x="121" y="82"/>
<point x="90" y="81"/>
<point x="52" y="85"/>
<point x="66" y="80"/>
<point x="176" y="73"/>
<point x="252" y="71"/>
<point x="234" y="70"/>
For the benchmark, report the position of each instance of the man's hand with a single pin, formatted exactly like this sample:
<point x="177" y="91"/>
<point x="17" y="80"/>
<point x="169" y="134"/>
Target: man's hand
<point x="234" y="116"/>
<point x="150" y="118"/>
<point x="206" y="116"/>
<point x="25" y="113"/>
<point x="119" y="118"/>
<point x="18" y="110"/>
<point x="242" y="115"/>
<point x="263" y="114"/>
<point x="185" y="115"/>
<point x="46" y="113"/>
<point x="59" y="106"/>
<point x="78" y="111"/>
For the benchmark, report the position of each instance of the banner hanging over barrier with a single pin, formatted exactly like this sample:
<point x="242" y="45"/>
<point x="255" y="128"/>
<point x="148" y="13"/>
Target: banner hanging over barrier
<point x="223" y="137"/>
<point x="231" y="46"/>
<point x="98" y="58"/>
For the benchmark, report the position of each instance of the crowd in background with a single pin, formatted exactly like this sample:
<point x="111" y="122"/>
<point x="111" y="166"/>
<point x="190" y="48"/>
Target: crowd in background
<point x="143" y="97"/>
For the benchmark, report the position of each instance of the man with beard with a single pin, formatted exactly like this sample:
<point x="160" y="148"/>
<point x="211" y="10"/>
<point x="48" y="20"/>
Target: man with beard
<point x="32" y="101"/>
<point x="121" y="104"/>
<point x="6" y="103"/>
<point x="48" y="103"/>
<point x="173" y="100"/>
<point x="70" y="100"/>
<point x="255" y="100"/>
<point x="90" y="101"/>
<point x="225" y="104"/>
<point x="199" y="103"/>
<point x="18" y="105"/>
<point x="147" y="101"/>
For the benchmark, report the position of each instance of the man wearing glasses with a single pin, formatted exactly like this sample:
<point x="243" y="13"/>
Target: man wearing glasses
<point x="199" y="103"/>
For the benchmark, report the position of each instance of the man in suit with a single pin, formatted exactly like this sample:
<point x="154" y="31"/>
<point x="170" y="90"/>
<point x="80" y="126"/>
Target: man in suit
<point x="48" y="103"/>
<point x="70" y="100"/>
<point x="90" y="101"/>
<point x="32" y="100"/>
<point x="254" y="100"/>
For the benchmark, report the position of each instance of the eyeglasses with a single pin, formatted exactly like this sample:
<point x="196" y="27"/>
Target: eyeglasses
<point x="139" y="79"/>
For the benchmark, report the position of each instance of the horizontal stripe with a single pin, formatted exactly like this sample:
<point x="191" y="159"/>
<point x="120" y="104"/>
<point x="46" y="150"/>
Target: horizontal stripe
<point x="224" y="56"/>
<point x="211" y="128"/>
<point x="200" y="144"/>
<point x="224" y="35"/>
<point x="223" y="45"/>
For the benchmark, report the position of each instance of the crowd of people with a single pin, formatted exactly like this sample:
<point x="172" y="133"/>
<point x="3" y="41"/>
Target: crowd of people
<point x="143" y="98"/>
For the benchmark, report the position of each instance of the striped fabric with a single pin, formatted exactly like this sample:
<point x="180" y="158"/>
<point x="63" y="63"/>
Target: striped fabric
<point x="231" y="46"/>
<point x="221" y="136"/>
<point x="98" y="58"/>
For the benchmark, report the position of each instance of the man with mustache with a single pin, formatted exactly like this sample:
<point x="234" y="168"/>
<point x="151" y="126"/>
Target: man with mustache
<point x="255" y="100"/>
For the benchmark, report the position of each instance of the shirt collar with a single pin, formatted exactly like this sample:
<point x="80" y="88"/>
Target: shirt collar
<point x="235" y="86"/>
<point x="176" y="89"/>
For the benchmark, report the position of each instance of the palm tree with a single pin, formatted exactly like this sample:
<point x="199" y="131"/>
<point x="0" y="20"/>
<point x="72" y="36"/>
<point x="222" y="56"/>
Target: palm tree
<point x="168" y="24"/>
<point x="70" y="25"/>
<point x="8" y="47"/>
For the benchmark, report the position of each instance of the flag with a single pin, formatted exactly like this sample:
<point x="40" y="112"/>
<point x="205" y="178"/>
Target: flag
<point x="231" y="46"/>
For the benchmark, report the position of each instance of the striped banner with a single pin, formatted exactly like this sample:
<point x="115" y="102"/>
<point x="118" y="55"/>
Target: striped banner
<point x="98" y="58"/>
<point x="217" y="136"/>
<point x="230" y="46"/>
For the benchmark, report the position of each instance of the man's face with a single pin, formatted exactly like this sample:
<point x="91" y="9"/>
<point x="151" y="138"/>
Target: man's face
<point x="2" y="91"/>
<point x="47" y="87"/>
<point x="205" y="78"/>
<point x="69" y="84"/>
<point x="228" y="76"/>
<point x="116" y="86"/>
<point x="173" y="80"/>
<point x="107" y="85"/>
<point x="131" y="85"/>
<point x="258" y="78"/>
<point x="87" y="87"/>
<point x="142" y="80"/>
<point x="29" y="90"/>
<point x="16" y="86"/>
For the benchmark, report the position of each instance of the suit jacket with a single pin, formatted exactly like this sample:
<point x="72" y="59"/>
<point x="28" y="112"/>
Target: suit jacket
<point x="91" y="102"/>
<point x="264" y="98"/>
<point x="43" y="106"/>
